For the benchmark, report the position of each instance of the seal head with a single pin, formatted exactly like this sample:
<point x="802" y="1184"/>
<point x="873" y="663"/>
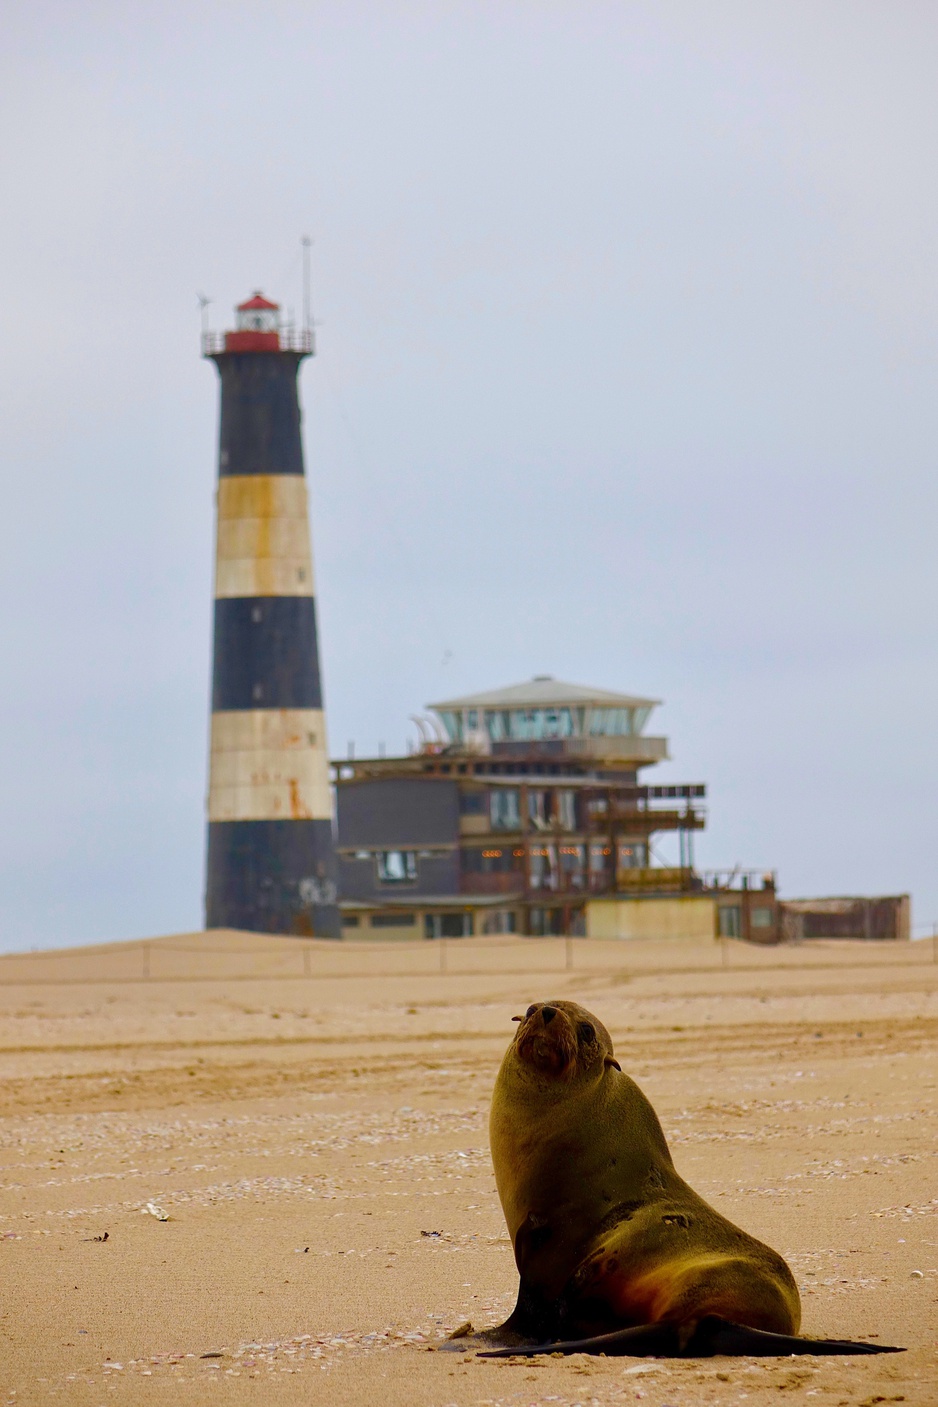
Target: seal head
<point x="562" y="1041"/>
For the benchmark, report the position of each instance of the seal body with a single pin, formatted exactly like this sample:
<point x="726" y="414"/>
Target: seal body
<point x="607" y="1236"/>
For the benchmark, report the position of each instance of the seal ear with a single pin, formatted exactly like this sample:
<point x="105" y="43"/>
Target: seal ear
<point x="611" y="1060"/>
<point x="517" y="1018"/>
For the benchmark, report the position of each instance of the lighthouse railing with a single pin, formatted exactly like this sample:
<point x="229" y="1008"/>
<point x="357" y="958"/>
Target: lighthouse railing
<point x="291" y="340"/>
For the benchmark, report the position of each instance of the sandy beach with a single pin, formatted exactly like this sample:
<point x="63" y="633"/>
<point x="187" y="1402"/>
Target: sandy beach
<point x="239" y="1169"/>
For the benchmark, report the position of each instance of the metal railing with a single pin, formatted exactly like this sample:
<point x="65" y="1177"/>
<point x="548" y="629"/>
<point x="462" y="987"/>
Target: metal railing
<point x="737" y="878"/>
<point x="291" y="340"/>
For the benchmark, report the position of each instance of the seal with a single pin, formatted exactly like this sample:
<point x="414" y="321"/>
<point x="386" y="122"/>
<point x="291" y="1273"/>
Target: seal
<point x="616" y="1253"/>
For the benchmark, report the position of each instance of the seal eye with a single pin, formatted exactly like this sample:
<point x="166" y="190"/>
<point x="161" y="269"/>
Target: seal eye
<point x="530" y="1011"/>
<point x="585" y="1031"/>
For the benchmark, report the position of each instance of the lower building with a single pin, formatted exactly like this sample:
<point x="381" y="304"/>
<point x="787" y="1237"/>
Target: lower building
<point x="887" y="916"/>
<point x="733" y="904"/>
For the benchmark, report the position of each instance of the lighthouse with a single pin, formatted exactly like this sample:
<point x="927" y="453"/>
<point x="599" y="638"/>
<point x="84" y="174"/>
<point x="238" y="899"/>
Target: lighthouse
<point x="271" y="858"/>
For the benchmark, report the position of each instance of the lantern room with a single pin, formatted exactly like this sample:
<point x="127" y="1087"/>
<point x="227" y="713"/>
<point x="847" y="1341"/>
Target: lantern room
<point x="257" y="328"/>
<point x="258" y="314"/>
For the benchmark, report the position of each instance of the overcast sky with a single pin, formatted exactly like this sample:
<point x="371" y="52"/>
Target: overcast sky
<point x="626" y="374"/>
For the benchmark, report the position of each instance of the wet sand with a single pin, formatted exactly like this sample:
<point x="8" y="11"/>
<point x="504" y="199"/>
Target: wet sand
<point x="311" y="1119"/>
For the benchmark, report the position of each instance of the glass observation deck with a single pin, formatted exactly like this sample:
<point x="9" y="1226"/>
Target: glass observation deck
<point x="535" y="725"/>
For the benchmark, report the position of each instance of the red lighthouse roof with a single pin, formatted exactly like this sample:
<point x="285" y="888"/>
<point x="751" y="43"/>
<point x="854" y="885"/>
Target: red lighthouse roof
<point x="257" y="302"/>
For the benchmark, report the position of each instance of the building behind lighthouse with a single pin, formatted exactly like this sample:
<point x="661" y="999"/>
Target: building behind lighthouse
<point x="271" y="861"/>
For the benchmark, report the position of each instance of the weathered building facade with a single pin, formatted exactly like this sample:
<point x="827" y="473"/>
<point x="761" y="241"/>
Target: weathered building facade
<point x="516" y="808"/>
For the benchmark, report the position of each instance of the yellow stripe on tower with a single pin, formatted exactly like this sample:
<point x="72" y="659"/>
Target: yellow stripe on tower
<point x="263" y="546"/>
<point x="269" y="764"/>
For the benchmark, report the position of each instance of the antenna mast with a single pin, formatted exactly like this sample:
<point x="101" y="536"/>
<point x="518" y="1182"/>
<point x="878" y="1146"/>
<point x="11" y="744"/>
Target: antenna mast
<point x="307" y="316"/>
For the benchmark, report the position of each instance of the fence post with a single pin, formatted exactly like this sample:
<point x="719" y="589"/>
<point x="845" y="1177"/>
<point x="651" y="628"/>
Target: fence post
<point x="307" y="970"/>
<point x="723" y="949"/>
<point x="569" y="953"/>
<point x="442" y="954"/>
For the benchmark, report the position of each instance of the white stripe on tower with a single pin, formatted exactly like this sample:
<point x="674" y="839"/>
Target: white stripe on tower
<point x="269" y="764"/>
<point x="262" y="544"/>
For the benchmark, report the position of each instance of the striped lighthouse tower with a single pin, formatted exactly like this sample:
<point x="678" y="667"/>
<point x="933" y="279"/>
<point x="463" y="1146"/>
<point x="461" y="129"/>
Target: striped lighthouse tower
<point x="271" y="861"/>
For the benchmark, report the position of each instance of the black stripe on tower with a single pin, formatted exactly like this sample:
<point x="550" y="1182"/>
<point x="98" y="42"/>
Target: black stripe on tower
<point x="260" y="413"/>
<point x="266" y="653"/>
<point x="258" y="877"/>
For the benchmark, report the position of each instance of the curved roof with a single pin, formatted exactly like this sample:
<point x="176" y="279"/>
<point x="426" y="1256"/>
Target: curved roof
<point x="258" y="301"/>
<point x="543" y="690"/>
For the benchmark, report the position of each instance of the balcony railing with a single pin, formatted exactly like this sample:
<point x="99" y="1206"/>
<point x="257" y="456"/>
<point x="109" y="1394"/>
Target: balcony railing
<point x="291" y="340"/>
<point x="676" y="879"/>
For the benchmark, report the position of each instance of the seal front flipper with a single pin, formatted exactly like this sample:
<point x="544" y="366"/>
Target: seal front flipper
<point x="500" y="1339"/>
<point x="642" y="1341"/>
<point x="530" y="1322"/>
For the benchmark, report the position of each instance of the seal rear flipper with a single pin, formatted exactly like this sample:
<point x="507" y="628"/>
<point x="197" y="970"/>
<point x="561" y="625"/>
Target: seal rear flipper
<point x="714" y="1336"/>
<point x="708" y="1338"/>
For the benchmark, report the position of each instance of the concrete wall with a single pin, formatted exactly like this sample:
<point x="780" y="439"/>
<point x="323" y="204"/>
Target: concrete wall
<point x="677" y="916"/>
<point x="367" y="932"/>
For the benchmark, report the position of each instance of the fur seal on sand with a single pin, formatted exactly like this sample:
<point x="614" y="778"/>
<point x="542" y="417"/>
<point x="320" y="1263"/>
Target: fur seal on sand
<point x="616" y="1253"/>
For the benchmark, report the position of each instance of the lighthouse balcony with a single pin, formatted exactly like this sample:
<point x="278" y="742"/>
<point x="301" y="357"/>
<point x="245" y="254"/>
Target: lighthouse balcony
<point x="289" y="339"/>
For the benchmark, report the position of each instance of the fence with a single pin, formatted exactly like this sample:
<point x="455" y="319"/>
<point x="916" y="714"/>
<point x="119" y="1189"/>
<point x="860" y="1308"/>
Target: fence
<point x="223" y="957"/>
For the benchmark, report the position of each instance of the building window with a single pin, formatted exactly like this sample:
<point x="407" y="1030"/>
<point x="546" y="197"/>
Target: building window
<point x="633" y="855"/>
<point x="545" y="923"/>
<point x="452" y="722"/>
<point x="542" y="867"/>
<point x="534" y="725"/>
<point x="504" y="812"/>
<point x="566" y="810"/>
<point x="397" y="866"/>
<point x="350" y="920"/>
<point x="500" y="921"/>
<point x="761" y="918"/>
<point x="493" y="860"/>
<point x="539" y="810"/>
<point x="447" y="925"/>
<point x="572" y="864"/>
<point x="498" y="724"/>
<point x="613" y="722"/>
<point x="393" y="920"/>
<point x="729" y="920"/>
<point x="473" y="803"/>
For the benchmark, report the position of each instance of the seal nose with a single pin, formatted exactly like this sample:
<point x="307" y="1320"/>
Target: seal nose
<point x="548" y="1013"/>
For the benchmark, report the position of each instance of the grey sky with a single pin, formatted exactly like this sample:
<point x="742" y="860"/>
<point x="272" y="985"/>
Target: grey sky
<point x="627" y="363"/>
